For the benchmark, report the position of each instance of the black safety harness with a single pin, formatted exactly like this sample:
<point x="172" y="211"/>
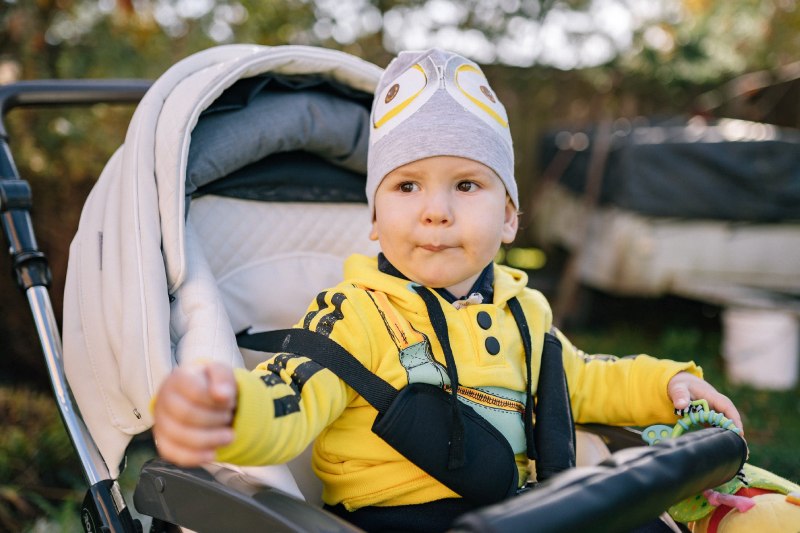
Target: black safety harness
<point x="433" y="429"/>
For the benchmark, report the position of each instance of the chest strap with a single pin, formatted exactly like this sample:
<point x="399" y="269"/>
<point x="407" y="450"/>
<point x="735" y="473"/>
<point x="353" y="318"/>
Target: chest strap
<point x="328" y="353"/>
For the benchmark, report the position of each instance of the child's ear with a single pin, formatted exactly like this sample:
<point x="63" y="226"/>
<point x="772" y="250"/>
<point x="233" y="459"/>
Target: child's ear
<point x="510" y="222"/>
<point x="373" y="233"/>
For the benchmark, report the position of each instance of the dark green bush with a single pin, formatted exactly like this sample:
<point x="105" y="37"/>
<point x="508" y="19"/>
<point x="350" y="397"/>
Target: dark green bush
<point x="39" y="472"/>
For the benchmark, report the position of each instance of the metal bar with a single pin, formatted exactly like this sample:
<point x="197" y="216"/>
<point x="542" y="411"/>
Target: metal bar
<point x="30" y="264"/>
<point x="94" y="467"/>
<point x="69" y="92"/>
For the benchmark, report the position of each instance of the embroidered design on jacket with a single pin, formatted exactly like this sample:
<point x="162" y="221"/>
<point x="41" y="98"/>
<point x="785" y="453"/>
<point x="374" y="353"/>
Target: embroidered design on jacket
<point x="329" y="313"/>
<point x="290" y="403"/>
<point x="413" y="347"/>
<point x="501" y="407"/>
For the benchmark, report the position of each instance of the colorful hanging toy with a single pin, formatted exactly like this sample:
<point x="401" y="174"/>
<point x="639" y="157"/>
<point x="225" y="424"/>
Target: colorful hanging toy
<point x="754" y="500"/>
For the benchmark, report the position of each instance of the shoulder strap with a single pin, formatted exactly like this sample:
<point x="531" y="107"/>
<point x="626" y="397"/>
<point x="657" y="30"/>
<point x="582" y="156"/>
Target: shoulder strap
<point x="524" y="331"/>
<point x="555" y="430"/>
<point x="327" y="353"/>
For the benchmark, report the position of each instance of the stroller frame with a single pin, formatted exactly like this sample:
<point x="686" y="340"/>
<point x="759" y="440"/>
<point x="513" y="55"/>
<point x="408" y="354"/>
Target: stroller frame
<point x="103" y="505"/>
<point x="185" y="496"/>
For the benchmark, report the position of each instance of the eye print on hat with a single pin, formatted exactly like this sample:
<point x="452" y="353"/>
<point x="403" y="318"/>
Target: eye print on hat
<point x="400" y="100"/>
<point x="473" y="92"/>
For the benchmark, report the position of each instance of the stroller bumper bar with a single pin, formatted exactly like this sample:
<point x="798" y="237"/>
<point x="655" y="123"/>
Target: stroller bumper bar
<point x="625" y="491"/>
<point x="630" y="488"/>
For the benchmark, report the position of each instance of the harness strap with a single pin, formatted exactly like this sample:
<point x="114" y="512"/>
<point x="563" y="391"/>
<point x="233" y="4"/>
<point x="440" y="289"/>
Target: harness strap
<point x="522" y="324"/>
<point x="555" y="429"/>
<point x="554" y="435"/>
<point x="456" y="455"/>
<point x="327" y="353"/>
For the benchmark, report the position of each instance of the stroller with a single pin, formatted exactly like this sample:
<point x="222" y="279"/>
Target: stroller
<point x="235" y="198"/>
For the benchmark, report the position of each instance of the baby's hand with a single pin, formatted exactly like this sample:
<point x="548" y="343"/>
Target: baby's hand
<point x="685" y="387"/>
<point x="193" y="413"/>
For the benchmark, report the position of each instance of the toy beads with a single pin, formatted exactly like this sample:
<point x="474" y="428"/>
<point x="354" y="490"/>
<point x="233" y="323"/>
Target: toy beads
<point x="696" y="415"/>
<point x="703" y="417"/>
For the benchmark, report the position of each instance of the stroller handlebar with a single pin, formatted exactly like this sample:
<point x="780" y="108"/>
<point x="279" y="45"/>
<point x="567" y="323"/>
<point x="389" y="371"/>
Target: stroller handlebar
<point x="30" y="265"/>
<point x="69" y="92"/>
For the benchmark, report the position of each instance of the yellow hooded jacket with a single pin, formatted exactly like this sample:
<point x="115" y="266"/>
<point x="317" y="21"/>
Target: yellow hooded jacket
<point x="289" y="400"/>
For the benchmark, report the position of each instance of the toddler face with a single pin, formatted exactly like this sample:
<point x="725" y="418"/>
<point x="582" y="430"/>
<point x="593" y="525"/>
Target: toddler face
<point x="441" y="220"/>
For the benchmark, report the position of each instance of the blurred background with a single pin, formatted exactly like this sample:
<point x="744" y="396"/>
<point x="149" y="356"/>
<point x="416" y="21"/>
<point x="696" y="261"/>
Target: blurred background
<point x="656" y="145"/>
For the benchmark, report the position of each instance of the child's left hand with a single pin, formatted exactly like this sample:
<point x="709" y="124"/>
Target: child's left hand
<point x="685" y="387"/>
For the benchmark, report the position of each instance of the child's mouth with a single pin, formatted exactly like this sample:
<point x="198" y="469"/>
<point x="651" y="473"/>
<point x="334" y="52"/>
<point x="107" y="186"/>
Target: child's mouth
<point x="434" y="248"/>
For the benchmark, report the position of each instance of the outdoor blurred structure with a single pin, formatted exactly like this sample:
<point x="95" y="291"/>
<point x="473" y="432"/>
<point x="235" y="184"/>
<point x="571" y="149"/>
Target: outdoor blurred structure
<point x="704" y="209"/>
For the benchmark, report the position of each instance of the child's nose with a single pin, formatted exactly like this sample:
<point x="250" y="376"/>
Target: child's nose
<point x="437" y="210"/>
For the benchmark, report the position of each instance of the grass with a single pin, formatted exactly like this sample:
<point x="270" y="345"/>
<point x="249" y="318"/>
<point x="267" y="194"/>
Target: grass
<point x="41" y="487"/>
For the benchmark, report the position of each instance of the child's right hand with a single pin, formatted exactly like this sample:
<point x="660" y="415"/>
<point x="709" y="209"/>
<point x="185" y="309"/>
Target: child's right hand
<point x="193" y="413"/>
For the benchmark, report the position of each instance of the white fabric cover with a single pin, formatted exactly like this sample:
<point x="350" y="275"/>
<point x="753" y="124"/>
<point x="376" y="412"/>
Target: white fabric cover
<point x="132" y="252"/>
<point x="627" y="253"/>
<point x="271" y="259"/>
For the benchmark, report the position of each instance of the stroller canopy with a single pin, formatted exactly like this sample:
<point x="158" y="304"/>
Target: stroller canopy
<point x="139" y="295"/>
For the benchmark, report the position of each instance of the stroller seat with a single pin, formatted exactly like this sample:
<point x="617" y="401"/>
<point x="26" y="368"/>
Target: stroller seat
<point x="249" y="218"/>
<point x="285" y="254"/>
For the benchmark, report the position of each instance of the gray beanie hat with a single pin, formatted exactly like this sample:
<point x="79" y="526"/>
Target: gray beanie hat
<point x="436" y="103"/>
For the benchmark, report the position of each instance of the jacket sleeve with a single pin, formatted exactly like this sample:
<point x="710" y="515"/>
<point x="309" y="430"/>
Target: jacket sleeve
<point x="287" y="400"/>
<point x="620" y="391"/>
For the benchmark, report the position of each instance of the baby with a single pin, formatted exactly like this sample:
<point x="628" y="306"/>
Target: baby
<point x="443" y="196"/>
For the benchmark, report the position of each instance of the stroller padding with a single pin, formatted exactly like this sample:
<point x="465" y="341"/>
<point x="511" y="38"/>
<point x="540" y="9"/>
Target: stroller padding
<point x="316" y="122"/>
<point x="291" y="176"/>
<point x="271" y="259"/>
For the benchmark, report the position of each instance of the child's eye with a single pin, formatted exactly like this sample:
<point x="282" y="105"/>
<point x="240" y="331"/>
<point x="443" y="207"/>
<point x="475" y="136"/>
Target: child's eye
<point x="467" y="186"/>
<point x="407" y="186"/>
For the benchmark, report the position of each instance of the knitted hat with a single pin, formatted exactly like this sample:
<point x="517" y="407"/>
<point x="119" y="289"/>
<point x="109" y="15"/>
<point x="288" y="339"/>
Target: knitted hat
<point x="437" y="103"/>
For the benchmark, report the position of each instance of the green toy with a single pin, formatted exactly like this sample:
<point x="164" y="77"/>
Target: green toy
<point x="753" y="498"/>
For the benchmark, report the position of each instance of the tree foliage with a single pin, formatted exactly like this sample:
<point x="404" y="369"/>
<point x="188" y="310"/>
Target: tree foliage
<point x="693" y="41"/>
<point x="708" y="42"/>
